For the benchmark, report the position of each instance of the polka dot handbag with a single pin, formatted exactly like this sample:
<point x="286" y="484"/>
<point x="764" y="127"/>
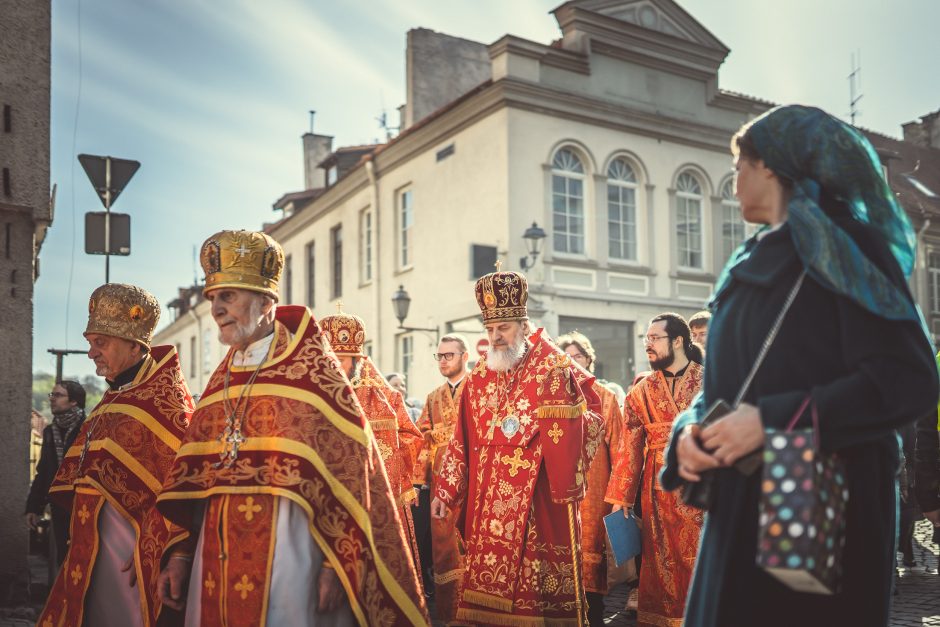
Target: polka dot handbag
<point x="802" y="509"/>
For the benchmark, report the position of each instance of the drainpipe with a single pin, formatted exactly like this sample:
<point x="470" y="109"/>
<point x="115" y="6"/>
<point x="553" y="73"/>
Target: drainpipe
<point x="922" y="279"/>
<point x="378" y="334"/>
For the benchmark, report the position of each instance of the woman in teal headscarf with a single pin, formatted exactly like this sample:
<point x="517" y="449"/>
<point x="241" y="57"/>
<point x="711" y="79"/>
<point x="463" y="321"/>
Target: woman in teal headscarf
<point x="853" y="340"/>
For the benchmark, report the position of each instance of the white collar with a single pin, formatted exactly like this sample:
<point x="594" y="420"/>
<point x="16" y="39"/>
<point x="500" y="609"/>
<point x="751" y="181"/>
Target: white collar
<point x="254" y="353"/>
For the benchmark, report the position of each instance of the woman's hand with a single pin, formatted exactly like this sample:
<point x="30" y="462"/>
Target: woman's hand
<point x="735" y="435"/>
<point x="693" y="460"/>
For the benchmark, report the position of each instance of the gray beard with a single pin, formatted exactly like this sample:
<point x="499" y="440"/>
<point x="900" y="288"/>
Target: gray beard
<point x="244" y="331"/>
<point x="501" y="360"/>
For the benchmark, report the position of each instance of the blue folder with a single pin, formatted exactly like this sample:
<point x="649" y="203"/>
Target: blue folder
<point x="623" y="533"/>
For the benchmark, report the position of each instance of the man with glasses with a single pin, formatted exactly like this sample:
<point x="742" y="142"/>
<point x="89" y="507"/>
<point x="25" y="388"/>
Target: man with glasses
<point x="670" y="528"/>
<point x="595" y="504"/>
<point x="438" y="540"/>
<point x="698" y="324"/>
<point x="67" y="401"/>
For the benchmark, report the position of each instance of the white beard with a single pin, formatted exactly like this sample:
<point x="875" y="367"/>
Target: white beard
<point x="244" y="331"/>
<point x="501" y="360"/>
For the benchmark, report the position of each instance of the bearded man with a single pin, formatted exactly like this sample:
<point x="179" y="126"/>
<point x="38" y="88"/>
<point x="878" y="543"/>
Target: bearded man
<point x="110" y="476"/>
<point x="292" y="518"/>
<point x="437" y="423"/>
<point x="595" y="506"/>
<point x="524" y="439"/>
<point x="398" y="438"/>
<point x="670" y="529"/>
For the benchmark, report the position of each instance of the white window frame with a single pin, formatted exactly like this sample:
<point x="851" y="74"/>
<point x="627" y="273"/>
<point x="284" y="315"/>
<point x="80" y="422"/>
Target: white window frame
<point x="366" y="230"/>
<point x="569" y="170"/>
<point x="933" y="281"/>
<point x="406" y="354"/>
<point x="626" y="182"/>
<point x="405" y="228"/>
<point x="688" y="200"/>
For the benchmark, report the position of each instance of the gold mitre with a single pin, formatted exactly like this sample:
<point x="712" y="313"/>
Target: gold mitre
<point x="124" y="311"/>
<point x="502" y="296"/>
<point x="248" y="260"/>
<point x="346" y="332"/>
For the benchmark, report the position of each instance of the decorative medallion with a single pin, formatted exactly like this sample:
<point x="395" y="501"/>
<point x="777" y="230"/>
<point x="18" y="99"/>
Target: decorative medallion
<point x="510" y="425"/>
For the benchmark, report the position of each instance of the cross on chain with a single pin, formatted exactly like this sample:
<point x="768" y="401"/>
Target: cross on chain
<point x="231" y="442"/>
<point x="515" y="462"/>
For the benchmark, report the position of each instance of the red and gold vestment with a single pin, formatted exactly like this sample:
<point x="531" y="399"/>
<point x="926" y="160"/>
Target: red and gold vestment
<point x="132" y="437"/>
<point x="594" y="506"/>
<point x="437" y="422"/>
<point x="516" y="462"/>
<point x="304" y="438"/>
<point x="670" y="528"/>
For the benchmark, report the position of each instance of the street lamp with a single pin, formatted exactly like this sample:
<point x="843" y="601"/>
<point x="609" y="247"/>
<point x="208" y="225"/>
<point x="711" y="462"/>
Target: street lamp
<point x="402" y="302"/>
<point x="533" y="237"/>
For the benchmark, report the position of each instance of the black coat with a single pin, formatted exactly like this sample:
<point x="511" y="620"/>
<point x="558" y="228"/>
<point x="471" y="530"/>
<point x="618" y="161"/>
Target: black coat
<point x="867" y="375"/>
<point x="46" y="470"/>
<point x="927" y="463"/>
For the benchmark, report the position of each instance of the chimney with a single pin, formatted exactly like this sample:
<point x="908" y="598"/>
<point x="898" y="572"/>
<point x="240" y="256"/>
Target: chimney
<point x="924" y="132"/>
<point x="316" y="149"/>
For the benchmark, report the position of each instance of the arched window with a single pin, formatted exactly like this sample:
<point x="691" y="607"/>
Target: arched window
<point x="689" y="221"/>
<point x="568" y="202"/>
<point x="621" y="211"/>
<point x="732" y="224"/>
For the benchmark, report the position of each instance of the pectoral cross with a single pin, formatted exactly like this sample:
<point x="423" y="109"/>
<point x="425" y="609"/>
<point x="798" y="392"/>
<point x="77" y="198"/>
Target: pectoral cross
<point x="516" y="462"/>
<point x="231" y="439"/>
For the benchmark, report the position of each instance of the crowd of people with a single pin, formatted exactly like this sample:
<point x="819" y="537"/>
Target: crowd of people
<point x="304" y="488"/>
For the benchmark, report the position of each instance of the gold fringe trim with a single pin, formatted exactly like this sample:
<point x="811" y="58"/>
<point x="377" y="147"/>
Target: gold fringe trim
<point x="450" y="575"/>
<point x="509" y="620"/>
<point x="487" y="600"/>
<point x="562" y="412"/>
<point x="384" y="425"/>
<point x="656" y="619"/>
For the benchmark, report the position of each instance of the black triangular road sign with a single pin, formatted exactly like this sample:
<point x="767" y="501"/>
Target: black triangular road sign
<point x="121" y="172"/>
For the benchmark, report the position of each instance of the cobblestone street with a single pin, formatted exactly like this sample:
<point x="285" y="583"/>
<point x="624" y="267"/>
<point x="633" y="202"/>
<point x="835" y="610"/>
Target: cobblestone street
<point x="917" y="603"/>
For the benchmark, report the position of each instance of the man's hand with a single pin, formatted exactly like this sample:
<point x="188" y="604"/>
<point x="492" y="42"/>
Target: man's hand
<point x="693" y="460"/>
<point x="171" y="585"/>
<point x="933" y="517"/>
<point x="735" y="435"/>
<point x="438" y="508"/>
<point x="129" y="566"/>
<point x="329" y="591"/>
<point x="32" y="521"/>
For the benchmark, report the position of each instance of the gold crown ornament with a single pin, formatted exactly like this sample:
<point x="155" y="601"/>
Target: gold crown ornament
<point x="502" y="296"/>
<point x="247" y="260"/>
<point x="346" y="332"/>
<point x="124" y="311"/>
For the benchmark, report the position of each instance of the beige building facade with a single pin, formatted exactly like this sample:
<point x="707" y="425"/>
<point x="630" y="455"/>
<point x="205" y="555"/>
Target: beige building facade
<point x="614" y="139"/>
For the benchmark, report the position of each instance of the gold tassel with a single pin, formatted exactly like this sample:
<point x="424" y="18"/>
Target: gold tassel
<point x="562" y="412"/>
<point x="487" y="600"/>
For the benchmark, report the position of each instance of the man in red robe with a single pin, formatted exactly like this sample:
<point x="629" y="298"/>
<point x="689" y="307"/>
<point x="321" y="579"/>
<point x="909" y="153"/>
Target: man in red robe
<point x="670" y="529"/>
<point x="110" y="476"/>
<point x="437" y="423"/>
<point x="278" y="478"/>
<point x="517" y="464"/>
<point x="397" y="437"/>
<point x="594" y="506"/>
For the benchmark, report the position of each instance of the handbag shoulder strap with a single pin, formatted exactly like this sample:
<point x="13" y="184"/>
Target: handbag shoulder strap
<point x="771" y="336"/>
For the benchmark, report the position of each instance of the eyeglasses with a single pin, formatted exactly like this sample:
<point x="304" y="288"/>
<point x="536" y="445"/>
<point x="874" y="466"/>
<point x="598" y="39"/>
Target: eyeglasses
<point x="651" y="339"/>
<point x="445" y="356"/>
<point x="579" y="356"/>
<point x="54" y="394"/>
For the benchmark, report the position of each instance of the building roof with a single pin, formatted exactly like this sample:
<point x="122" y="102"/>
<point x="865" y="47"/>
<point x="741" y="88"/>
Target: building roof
<point x="303" y="196"/>
<point x="913" y="173"/>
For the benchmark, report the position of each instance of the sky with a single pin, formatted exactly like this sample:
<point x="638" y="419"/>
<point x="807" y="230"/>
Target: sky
<point x="212" y="97"/>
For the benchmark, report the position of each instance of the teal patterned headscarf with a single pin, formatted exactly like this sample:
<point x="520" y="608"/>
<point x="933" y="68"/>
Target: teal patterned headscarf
<point x="818" y="152"/>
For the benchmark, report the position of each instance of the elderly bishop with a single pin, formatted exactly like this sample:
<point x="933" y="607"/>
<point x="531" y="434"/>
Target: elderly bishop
<point x="293" y="521"/>
<point x="525" y="435"/>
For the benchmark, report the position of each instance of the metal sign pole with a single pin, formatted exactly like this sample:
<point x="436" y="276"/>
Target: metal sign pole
<point x="107" y="219"/>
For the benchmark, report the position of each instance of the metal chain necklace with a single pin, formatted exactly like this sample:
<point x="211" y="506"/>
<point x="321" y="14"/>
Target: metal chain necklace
<point x="231" y="437"/>
<point x="510" y="424"/>
<point x="93" y="426"/>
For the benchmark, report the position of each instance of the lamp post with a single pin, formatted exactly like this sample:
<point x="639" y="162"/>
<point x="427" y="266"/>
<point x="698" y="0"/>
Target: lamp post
<point x="533" y="237"/>
<point x="402" y="302"/>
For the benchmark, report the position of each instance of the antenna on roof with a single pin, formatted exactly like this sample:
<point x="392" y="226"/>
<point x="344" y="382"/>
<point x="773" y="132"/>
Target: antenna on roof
<point x="383" y="123"/>
<point x="312" y="113"/>
<point x="195" y="272"/>
<point x="855" y="85"/>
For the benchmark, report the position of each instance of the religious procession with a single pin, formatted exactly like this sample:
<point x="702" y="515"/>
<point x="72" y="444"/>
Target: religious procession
<point x="705" y="393"/>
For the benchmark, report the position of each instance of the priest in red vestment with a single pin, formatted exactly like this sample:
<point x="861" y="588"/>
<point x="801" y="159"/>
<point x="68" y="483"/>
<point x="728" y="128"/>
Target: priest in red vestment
<point x="670" y="529"/>
<point x="517" y="462"/>
<point x="110" y="476"/>
<point x="279" y="478"/>
<point x="398" y="438"/>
